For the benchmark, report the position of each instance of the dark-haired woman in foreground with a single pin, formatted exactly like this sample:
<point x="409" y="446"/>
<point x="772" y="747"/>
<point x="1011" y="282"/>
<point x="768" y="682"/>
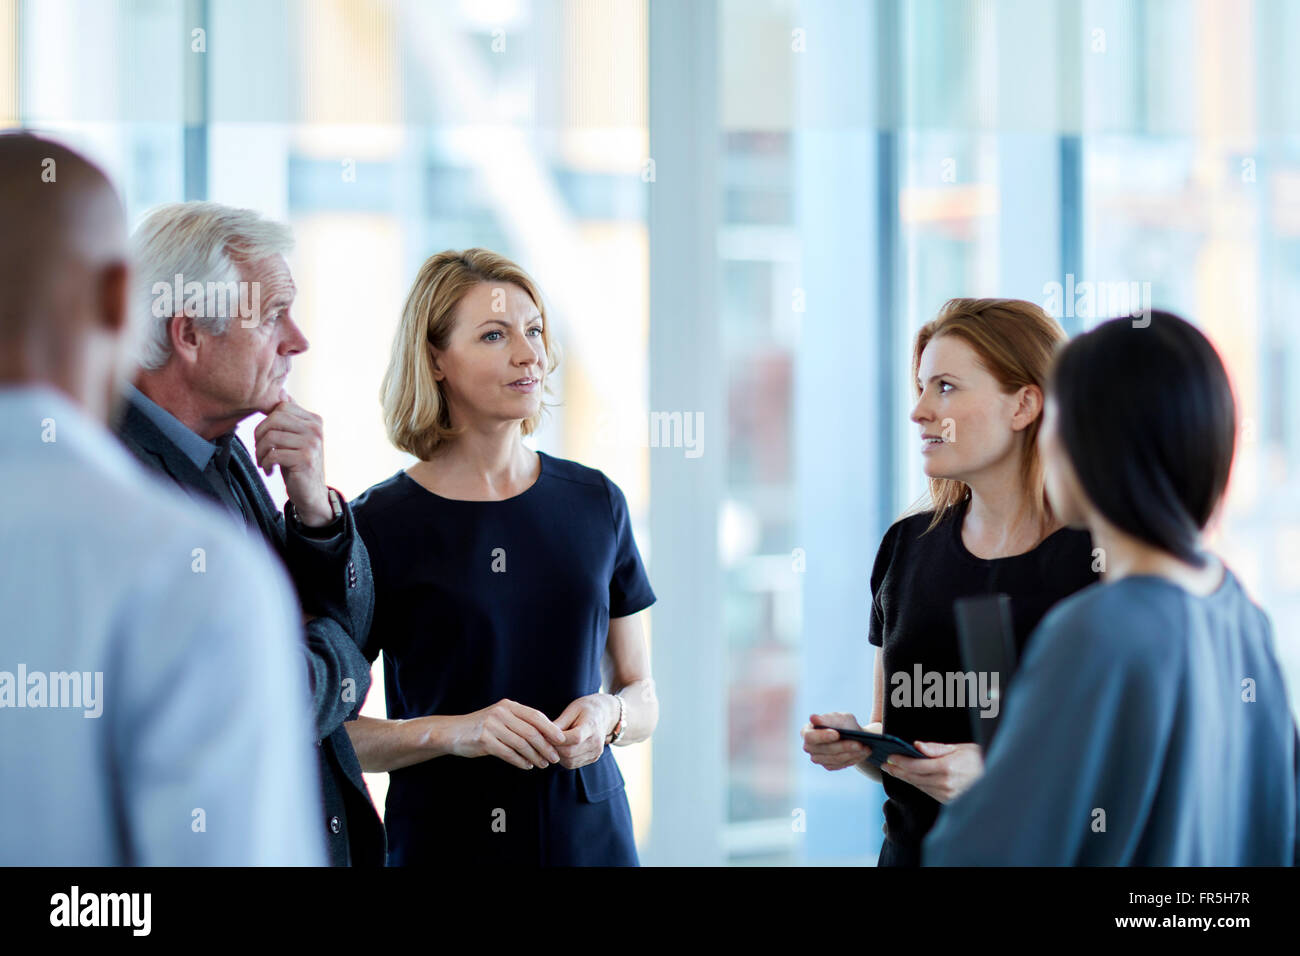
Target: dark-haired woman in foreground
<point x="1149" y="724"/>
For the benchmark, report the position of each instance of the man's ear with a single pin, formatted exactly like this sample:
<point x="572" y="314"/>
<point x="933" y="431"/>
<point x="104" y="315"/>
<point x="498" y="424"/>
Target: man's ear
<point x="114" y="297"/>
<point x="184" y="335"/>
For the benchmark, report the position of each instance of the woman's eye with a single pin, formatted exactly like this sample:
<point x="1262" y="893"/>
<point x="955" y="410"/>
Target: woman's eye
<point x="486" y="339"/>
<point x="537" y="329"/>
<point x="942" y="386"/>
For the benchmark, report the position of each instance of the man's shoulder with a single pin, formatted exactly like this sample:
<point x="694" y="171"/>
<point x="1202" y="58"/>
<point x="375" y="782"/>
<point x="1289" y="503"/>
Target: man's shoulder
<point x="147" y="442"/>
<point x="147" y="504"/>
<point x="88" y="518"/>
<point x="135" y="429"/>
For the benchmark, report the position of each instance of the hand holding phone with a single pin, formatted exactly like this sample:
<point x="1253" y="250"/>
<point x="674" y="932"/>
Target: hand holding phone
<point x="882" y="745"/>
<point x="824" y="745"/>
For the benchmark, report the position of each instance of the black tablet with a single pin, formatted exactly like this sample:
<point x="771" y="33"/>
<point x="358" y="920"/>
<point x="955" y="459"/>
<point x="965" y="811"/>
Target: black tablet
<point x="882" y="745"/>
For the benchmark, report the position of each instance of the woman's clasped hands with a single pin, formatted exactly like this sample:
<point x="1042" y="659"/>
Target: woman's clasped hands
<point x="524" y="737"/>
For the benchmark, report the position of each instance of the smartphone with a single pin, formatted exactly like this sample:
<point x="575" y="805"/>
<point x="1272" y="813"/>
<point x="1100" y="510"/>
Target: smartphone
<point x="882" y="745"/>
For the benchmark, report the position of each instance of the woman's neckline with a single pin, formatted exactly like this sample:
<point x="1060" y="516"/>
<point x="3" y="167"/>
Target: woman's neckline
<point x="959" y="517"/>
<point x="541" y="473"/>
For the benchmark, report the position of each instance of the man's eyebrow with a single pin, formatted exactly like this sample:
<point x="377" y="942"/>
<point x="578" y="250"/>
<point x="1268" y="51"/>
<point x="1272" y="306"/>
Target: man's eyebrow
<point x="282" y="295"/>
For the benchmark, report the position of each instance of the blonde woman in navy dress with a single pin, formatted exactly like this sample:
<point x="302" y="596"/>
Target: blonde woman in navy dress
<point x="507" y="582"/>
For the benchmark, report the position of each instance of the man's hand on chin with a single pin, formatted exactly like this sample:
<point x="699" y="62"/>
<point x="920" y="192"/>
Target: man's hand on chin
<point x="294" y="438"/>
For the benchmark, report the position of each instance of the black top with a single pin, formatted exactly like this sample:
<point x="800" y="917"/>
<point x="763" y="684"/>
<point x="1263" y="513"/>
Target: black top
<point x="476" y="601"/>
<point x="915" y="580"/>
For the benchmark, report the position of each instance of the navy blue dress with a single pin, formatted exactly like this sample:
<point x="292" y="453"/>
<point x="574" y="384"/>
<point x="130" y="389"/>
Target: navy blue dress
<point x="476" y="601"/>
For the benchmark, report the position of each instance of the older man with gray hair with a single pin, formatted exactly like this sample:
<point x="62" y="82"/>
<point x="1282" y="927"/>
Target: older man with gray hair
<point x="219" y="347"/>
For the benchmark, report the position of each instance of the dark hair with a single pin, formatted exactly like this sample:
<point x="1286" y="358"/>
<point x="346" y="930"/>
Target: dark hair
<point x="1147" y="416"/>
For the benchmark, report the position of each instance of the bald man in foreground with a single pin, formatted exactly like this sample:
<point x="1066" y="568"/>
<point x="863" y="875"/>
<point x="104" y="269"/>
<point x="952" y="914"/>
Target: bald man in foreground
<point x="143" y="718"/>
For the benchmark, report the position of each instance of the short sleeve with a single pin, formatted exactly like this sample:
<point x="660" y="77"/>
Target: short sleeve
<point x="876" y="626"/>
<point x="629" y="587"/>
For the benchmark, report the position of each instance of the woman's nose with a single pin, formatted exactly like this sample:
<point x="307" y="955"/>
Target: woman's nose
<point x="529" y="355"/>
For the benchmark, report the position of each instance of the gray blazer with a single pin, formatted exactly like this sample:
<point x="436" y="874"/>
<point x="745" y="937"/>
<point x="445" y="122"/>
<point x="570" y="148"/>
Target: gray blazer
<point x="334" y="583"/>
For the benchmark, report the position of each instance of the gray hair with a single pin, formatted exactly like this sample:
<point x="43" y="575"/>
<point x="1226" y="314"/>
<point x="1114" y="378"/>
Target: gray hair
<point x="203" y="242"/>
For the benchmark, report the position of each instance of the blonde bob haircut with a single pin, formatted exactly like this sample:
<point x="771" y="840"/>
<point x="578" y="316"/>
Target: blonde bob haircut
<point x="416" y="414"/>
<point x="1016" y="342"/>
